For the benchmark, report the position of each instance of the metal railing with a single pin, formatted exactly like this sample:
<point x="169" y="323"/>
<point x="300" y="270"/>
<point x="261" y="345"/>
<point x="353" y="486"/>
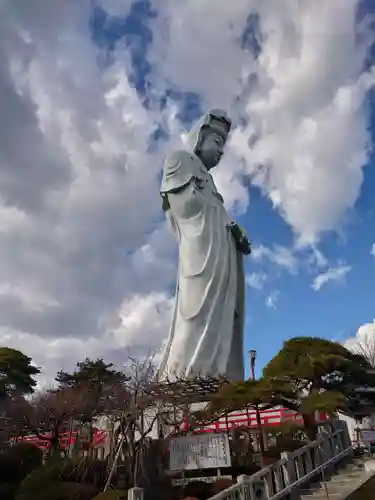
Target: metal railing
<point x="293" y="470"/>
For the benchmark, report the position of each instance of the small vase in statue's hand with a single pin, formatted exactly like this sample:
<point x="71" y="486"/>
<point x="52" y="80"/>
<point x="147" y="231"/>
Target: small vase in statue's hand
<point x="243" y="244"/>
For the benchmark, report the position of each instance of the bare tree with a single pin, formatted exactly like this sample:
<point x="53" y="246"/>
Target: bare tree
<point x="134" y="417"/>
<point x="101" y="384"/>
<point x="49" y="413"/>
<point x="13" y="419"/>
<point x="140" y="409"/>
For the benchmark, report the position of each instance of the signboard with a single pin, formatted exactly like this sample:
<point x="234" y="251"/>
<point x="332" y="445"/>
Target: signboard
<point x="205" y="479"/>
<point x="367" y="435"/>
<point x="200" y="451"/>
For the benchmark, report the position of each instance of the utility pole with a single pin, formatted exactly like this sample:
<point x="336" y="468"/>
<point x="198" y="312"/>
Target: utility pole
<point x="253" y="357"/>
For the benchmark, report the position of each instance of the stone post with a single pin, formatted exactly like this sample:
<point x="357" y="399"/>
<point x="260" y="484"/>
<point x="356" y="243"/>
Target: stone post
<point x="289" y="466"/>
<point x="135" y="493"/>
<point x="121" y="483"/>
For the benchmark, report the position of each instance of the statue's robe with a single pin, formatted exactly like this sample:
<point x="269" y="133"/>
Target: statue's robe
<point x="206" y="335"/>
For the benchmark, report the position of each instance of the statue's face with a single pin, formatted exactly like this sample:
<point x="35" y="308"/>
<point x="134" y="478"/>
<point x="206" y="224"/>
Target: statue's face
<point x="212" y="146"/>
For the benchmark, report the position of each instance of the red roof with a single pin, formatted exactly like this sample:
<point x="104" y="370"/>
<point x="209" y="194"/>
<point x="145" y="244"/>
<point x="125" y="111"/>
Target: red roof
<point x="65" y="439"/>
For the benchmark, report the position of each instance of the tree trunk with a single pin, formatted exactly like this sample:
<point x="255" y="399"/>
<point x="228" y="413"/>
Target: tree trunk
<point x="261" y="437"/>
<point x="91" y="440"/>
<point x="134" y="466"/>
<point x="55" y="441"/>
<point x="55" y="445"/>
<point x="310" y="425"/>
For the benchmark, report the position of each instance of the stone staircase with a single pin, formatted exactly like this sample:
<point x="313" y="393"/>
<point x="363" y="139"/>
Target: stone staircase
<point x="299" y="475"/>
<point x="340" y="484"/>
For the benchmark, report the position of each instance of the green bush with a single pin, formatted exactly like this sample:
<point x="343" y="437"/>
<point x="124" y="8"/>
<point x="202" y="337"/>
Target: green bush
<point x="18" y="461"/>
<point x="273" y="453"/>
<point x="220" y="485"/>
<point x="7" y="491"/>
<point x="58" y="491"/>
<point x="28" y="456"/>
<point x="289" y="443"/>
<point x="283" y="444"/>
<point x="8" y="469"/>
<point x="84" y="470"/>
<point x="109" y="495"/>
<point x="38" y="482"/>
<point x="198" y="489"/>
<point x="73" y="491"/>
<point x="84" y="477"/>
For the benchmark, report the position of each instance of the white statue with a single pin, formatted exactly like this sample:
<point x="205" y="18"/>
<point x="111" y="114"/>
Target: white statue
<point x="206" y="336"/>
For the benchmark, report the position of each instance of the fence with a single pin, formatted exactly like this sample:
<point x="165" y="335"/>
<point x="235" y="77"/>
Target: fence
<point x="269" y="418"/>
<point x="294" y="470"/>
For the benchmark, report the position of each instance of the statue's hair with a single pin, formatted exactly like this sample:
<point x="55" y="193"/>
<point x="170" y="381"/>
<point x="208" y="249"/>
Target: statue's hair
<point x="193" y="136"/>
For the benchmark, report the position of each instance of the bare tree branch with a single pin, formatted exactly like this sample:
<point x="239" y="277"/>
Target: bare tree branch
<point x="366" y="348"/>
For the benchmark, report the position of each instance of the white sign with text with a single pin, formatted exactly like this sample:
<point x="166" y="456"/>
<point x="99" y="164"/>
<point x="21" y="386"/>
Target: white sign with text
<point x="202" y="451"/>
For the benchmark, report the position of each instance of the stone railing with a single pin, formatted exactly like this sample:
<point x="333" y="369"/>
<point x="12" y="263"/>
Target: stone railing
<point x="293" y="470"/>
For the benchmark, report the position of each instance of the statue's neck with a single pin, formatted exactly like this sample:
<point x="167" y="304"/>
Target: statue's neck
<point x="204" y="165"/>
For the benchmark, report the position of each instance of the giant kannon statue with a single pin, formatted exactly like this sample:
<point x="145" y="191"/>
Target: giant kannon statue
<point x="206" y="335"/>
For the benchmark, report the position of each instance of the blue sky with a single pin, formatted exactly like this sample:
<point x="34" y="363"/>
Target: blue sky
<point x="97" y="93"/>
<point x="338" y="308"/>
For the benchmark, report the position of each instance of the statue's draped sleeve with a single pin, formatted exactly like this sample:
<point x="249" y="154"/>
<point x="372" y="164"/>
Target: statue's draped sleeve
<point x="179" y="171"/>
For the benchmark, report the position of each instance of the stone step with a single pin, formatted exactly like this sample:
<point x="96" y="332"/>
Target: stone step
<point x="344" y="476"/>
<point x="343" y="480"/>
<point x="336" y="488"/>
<point x="348" y="477"/>
<point x="358" y="460"/>
<point x="355" y="467"/>
<point x="337" y="484"/>
<point x="360" y="465"/>
<point x="339" y="487"/>
<point x="322" y="496"/>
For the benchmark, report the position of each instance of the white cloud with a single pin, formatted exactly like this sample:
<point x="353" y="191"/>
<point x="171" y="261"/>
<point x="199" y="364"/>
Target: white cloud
<point x="78" y="193"/>
<point x="331" y="274"/>
<point x="318" y="259"/>
<point x="84" y="257"/>
<point x="139" y="330"/>
<point x="115" y="7"/>
<point x="256" y="280"/>
<point x="279" y="255"/>
<point x="272" y="299"/>
<point x="306" y="86"/>
<point x="373" y="250"/>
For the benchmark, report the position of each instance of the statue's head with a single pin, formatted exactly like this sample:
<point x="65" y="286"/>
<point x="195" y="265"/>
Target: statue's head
<point x="208" y="137"/>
